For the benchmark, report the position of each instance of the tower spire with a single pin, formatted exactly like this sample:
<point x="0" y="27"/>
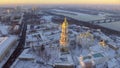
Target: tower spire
<point x="65" y="20"/>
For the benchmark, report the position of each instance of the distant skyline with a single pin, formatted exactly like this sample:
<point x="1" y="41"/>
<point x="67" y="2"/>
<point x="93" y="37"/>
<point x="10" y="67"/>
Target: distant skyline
<point x="27" y="2"/>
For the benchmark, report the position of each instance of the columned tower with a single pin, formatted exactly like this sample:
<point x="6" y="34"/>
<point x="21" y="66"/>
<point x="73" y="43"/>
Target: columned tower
<point x="64" y="37"/>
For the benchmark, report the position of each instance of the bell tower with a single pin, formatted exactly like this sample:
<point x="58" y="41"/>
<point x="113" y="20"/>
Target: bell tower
<point x="64" y="36"/>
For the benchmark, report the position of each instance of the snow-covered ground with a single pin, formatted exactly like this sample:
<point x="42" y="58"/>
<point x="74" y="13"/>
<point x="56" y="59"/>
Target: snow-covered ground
<point x="42" y="48"/>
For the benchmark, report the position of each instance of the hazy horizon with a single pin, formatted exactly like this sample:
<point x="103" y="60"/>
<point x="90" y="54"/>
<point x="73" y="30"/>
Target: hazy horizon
<point x="14" y="5"/>
<point x="28" y="2"/>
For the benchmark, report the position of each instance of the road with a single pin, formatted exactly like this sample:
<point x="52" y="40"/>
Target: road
<point x="19" y="48"/>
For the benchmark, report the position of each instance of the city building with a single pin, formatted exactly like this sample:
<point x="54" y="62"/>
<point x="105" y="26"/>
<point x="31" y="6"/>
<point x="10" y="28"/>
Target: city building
<point x="6" y="43"/>
<point x="85" y="39"/>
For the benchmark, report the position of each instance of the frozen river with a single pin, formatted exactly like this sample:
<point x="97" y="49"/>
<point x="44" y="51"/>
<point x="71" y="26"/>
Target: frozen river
<point x="112" y="25"/>
<point x="88" y="17"/>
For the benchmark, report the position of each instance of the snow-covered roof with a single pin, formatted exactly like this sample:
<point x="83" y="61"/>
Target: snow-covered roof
<point x="6" y="43"/>
<point x="85" y="52"/>
<point x="26" y="56"/>
<point x="67" y="60"/>
<point x="113" y="63"/>
<point x="47" y="18"/>
<point x="110" y="53"/>
<point x="4" y="29"/>
<point x="96" y="48"/>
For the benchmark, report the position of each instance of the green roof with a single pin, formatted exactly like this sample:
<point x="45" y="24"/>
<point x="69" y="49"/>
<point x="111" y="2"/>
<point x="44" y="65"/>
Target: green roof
<point x="87" y="57"/>
<point x="97" y="55"/>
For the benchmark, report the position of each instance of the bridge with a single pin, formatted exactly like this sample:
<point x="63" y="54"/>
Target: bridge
<point x="108" y="20"/>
